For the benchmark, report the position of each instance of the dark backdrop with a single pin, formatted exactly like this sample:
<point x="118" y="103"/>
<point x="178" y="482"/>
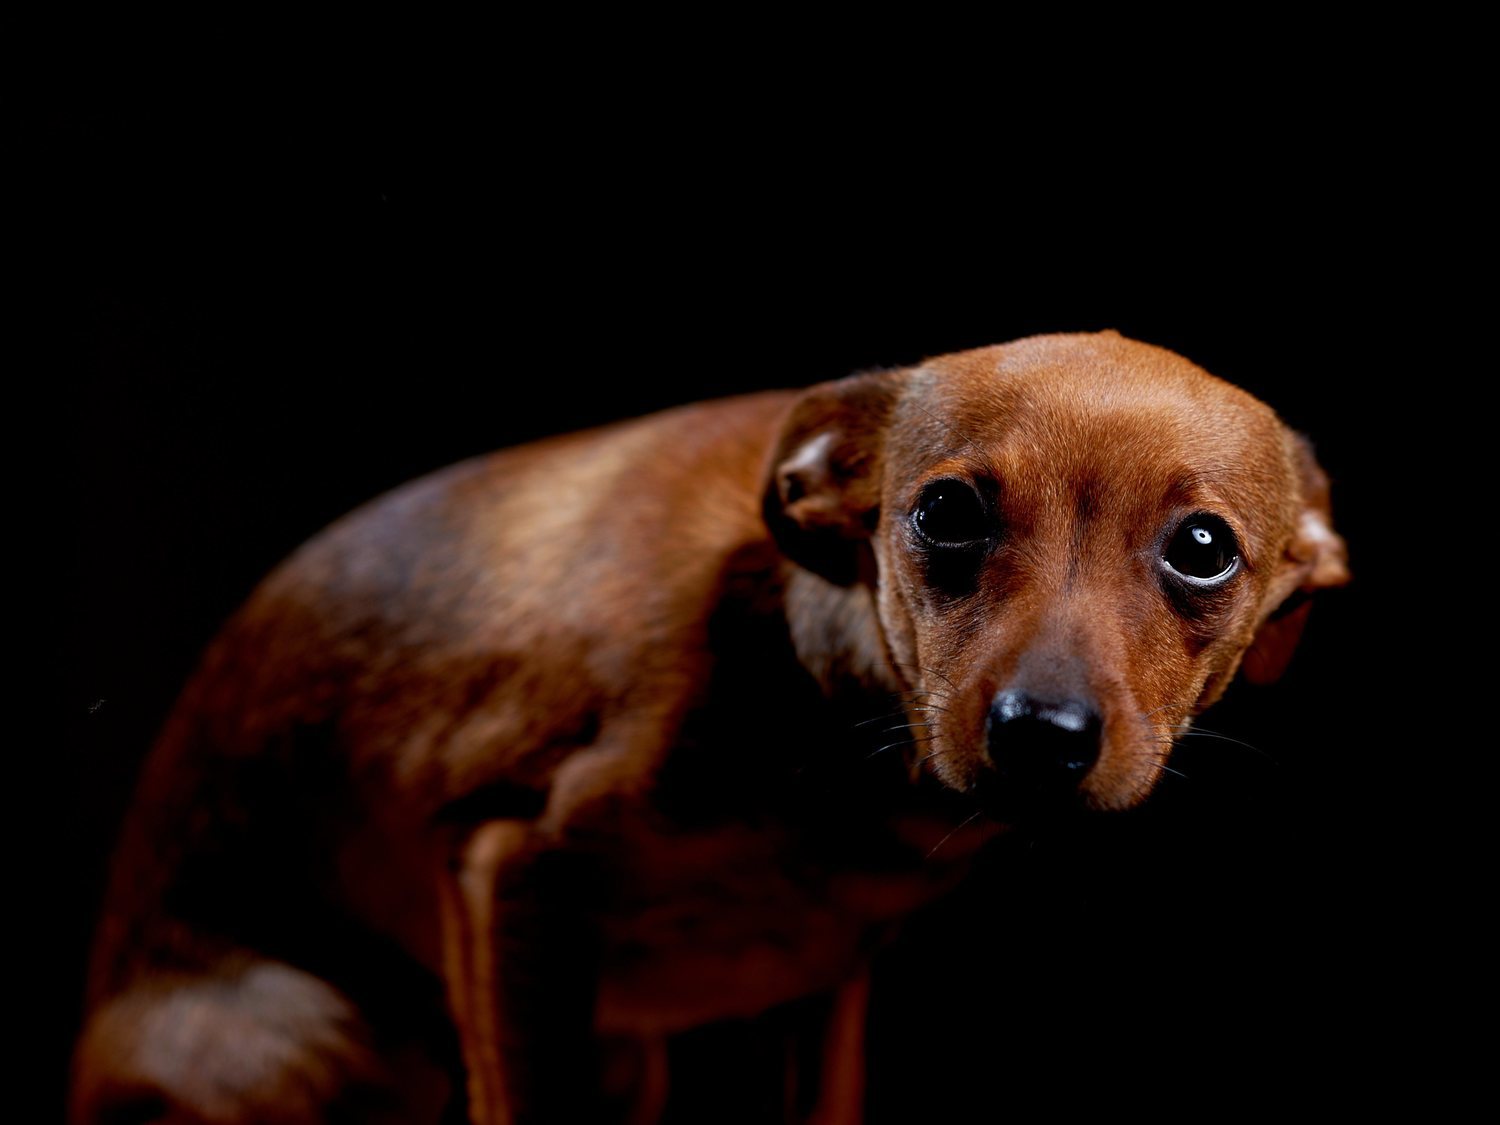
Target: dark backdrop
<point x="278" y="306"/>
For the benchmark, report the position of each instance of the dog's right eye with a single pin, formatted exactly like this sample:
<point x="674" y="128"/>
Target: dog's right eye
<point x="949" y="513"/>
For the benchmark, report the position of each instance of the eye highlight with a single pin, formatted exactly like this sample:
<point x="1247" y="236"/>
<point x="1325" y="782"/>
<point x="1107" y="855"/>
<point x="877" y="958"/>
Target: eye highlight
<point x="1202" y="549"/>
<point x="949" y="513"/>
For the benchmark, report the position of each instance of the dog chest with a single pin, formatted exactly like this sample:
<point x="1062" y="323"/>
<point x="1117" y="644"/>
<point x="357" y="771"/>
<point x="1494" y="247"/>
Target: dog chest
<point x="727" y="922"/>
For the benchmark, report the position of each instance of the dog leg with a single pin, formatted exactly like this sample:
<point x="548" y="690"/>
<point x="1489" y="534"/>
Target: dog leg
<point x="469" y="909"/>
<point x="841" y="1085"/>
<point x="650" y="1099"/>
<point x="251" y="1040"/>
<point x="517" y="976"/>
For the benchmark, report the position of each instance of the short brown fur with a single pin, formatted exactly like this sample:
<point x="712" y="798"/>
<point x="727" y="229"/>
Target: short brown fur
<point x="570" y="730"/>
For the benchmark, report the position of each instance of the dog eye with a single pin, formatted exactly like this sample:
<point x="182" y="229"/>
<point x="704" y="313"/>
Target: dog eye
<point x="1203" y="548"/>
<point x="949" y="513"/>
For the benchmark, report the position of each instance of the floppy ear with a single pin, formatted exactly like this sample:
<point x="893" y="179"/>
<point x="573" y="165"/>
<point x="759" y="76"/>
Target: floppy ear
<point x="1316" y="559"/>
<point x="822" y="495"/>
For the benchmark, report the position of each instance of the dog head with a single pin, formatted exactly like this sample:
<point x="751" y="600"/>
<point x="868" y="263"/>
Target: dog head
<point x="1073" y="542"/>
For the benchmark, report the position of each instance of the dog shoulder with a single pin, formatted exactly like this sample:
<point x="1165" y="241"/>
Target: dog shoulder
<point x="495" y="610"/>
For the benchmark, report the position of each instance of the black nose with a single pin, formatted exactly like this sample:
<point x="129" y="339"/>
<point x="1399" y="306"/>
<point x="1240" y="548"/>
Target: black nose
<point x="1040" y="748"/>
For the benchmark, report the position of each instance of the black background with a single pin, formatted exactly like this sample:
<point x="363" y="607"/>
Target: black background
<point x="283" y="298"/>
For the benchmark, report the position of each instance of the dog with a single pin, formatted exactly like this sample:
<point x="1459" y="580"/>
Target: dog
<point x="550" y="756"/>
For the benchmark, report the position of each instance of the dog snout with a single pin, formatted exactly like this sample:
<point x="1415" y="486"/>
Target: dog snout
<point x="1042" y="749"/>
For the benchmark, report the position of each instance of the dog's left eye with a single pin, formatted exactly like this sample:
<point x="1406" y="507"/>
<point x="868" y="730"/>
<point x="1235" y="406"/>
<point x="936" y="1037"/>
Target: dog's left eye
<point x="949" y="513"/>
<point x="1202" y="548"/>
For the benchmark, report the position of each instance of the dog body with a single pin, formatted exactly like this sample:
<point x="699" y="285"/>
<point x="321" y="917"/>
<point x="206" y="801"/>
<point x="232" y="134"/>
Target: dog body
<point x="630" y="731"/>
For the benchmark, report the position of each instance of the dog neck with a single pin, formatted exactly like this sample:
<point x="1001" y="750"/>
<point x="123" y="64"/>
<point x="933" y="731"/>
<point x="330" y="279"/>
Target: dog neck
<point x="836" y="635"/>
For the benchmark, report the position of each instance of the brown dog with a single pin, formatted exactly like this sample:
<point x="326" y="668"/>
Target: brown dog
<point x="583" y="730"/>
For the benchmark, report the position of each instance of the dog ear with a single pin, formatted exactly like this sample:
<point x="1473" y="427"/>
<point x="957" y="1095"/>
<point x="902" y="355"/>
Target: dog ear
<point x="1316" y="559"/>
<point x="822" y="495"/>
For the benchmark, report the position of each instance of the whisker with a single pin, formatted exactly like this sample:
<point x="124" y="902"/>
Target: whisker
<point x="929" y="671"/>
<point x="899" y="742"/>
<point x="1185" y="732"/>
<point x="961" y="824"/>
<point x="895" y="715"/>
<point x="1172" y="735"/>
<point x="906" y="726"/>
<point x="919" y="694"/>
